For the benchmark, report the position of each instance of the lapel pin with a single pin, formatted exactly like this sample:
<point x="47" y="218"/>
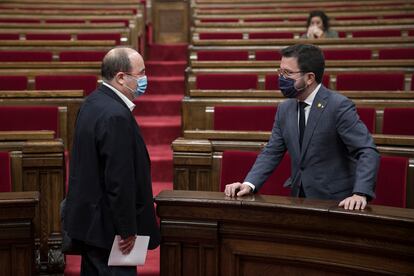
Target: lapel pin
<point x="320" y="105"/>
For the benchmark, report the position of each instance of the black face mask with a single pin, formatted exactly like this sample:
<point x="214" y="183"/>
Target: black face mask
<point x="287" y="86"/>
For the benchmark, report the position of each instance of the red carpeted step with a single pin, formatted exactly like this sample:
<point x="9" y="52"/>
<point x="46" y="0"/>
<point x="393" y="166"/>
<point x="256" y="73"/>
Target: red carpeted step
<point x="167" y="52"/>
<point x="166" y="85"/>
<point x="159" y="129"/>
<point x="157" y="187"/>
<point x="165" y="68"/>
<point x="161" y="163"/>
<point x="162" y="105"/>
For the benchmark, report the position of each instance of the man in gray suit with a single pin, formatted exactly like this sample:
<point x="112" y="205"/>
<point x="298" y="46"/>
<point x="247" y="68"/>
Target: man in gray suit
<point x="333" y="154"/>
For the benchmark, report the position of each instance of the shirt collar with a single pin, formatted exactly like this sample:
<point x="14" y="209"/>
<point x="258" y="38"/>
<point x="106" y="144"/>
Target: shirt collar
<point x="311" y="97"/>
<point x="127" y="101"/>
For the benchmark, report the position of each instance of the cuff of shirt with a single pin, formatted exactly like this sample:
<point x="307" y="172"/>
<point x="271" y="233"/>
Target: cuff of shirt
<point x="250" y="185"/>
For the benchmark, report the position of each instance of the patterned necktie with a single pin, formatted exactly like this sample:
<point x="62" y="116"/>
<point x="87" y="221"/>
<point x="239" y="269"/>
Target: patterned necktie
<point x="302" y="124"/>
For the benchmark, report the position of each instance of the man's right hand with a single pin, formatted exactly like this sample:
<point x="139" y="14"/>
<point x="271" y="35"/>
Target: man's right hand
<point x="237" y="189"/>
<point x="126" y="245"/>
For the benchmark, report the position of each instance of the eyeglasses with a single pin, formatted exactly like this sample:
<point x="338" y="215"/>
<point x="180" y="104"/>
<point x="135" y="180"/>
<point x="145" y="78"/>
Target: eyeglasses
<point x="287" y="73"/>
<point x="134" y="76"/>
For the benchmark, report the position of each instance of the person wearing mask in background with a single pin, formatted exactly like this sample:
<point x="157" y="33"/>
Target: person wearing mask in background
<point x="333" y="154"/>
<point x="110" y="189"/>
<point x="318" y="26"/>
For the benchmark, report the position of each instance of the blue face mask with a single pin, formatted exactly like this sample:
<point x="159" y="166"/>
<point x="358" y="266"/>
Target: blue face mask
<point x="287" y="86"/>
<point x="142" y="84"/>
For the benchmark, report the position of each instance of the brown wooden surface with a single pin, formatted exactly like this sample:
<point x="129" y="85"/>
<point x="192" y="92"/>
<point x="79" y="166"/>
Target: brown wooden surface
<point x="285" y="42"/>
<point x="26" y="135"/>
<point x="38" y="165"/>
<point x="197" y="112"/>
<point x="206" y="233"/>
<point x="197" y="156"/>
<point x="17" y="212"/>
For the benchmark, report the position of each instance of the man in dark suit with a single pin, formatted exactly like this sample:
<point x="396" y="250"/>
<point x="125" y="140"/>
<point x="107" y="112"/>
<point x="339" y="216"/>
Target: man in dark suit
<point x="333" y="154"/>
<point x="110" y="189"/>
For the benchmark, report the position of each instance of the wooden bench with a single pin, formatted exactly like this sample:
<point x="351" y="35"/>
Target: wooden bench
<point x="38" y="165"/>
<point x="195" y="111"/>
<point x="17" y="216"/>
<point x="343" y="42"/>
<point x="197" y="156"/>
<point x="207" y="233"/>
<point x="69" y="102"/>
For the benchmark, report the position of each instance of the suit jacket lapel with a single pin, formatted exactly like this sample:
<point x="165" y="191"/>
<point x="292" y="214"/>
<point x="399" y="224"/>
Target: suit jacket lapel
<point x="317" y="108"/>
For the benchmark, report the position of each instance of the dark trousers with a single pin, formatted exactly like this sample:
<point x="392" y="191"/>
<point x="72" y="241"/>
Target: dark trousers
<point x="95" y="262"/>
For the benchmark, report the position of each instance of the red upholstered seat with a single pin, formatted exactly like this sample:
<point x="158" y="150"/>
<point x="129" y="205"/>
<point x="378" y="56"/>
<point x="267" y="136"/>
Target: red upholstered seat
<point x="222" y="55"/>
<point x="13" y="56"/>
<point x="81" y="55"/>
<point x="18" y="20"/>
<point x="392" y="182"/>
<point x="101" y="36"/>
<point x="376" y="33"/>
<point x="270" y="35"/>
<point x="226" y="81"/>
<point x="370" y="81"/>
<point x="9" y="36"/>
<point x="214" y="20"/>
<point x="344" y="54"/>
<point x="244" y="118"/>
<point x="355" y="17"/>
<point x="398" y="121"/>
<point x="272" y="82"/>
<point x="5" y="176"/>
<point x="13" y="118"/>
<point x="125" y="21"/>
<point x="48" y="36"/>
<point x="236" y="164"/>
<point x="263" y="19"/>
<point x="221" y="36"/>
<point x="396" y="53"/>
<point x="85" y="82"/>
<point x="367" y="116"/>
<point x="268" y="55"/>
<point x="13" y="82"/>
<point x="63" y="21"/>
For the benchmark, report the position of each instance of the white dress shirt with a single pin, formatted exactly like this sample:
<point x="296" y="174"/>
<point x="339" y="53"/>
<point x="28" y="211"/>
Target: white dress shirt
<point x="130" y="104"/>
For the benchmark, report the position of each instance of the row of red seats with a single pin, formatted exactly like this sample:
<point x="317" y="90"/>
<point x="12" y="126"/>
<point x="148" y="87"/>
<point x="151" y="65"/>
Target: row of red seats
<point x="396" y="121"/>
<point x="29" y="56"/>
<point x="304" y="18"/>
<point x="63" y="21"/>
<point x="344" y="81"/>
<point x="330" y="54"/>
<point x="50" y="36"/>
<point x="290" y="35"/>
<point x="87" y="83"/>
<point x="390" y="188"/>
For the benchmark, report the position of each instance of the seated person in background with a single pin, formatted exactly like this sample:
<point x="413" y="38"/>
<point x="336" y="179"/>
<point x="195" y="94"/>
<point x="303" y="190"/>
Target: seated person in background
<point x="318" y="26"/>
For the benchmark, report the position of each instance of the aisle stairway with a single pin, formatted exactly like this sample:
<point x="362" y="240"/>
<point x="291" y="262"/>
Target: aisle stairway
<point x="158" y="114"/>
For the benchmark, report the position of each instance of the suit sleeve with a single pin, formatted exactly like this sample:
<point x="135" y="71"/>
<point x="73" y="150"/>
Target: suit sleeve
<point x="116" y="150"/>
<point x="270" y="156"/>
<point x="360" y="145"/>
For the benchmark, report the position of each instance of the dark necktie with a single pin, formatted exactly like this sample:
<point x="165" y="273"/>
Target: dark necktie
<point x="302" y="124"/>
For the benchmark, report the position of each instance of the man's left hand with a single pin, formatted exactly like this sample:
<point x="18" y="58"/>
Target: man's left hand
<point x="356" y="202"/>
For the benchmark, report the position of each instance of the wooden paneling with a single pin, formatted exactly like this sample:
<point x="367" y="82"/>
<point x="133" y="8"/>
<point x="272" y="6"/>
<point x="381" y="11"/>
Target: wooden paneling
<point x="270" y="235"/>
<point x="170" y="19"/>
<point x="17" y="212"/>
